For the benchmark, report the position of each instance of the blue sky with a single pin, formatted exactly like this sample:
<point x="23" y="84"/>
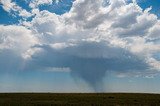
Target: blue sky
<point x="60" y="8"/>
<point x="55" y="46"/>
<point x="65" y="6"/>
<point x="155" y="5"/>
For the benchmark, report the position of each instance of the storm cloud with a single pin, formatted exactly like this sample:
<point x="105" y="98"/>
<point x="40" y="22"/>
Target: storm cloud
<point x="93" y="38"/>
<point x="91" y="68"/>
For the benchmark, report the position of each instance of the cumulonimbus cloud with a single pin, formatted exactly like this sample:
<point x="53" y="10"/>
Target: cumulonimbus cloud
<point x="92" y="38"/>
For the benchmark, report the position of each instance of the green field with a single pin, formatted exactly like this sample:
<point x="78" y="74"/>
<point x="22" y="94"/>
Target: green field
<point x="79" y="99"/>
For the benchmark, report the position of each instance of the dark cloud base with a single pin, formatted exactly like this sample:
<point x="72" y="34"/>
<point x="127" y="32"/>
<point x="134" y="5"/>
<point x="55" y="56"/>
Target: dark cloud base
<point x="92" y="70"/>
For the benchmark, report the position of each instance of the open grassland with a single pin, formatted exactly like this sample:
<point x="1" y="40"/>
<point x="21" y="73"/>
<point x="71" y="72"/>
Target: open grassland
<point x="79" y="99"/>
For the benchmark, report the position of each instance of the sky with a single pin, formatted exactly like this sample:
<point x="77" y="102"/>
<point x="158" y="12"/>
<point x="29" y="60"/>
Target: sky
<point x="80" y="46"/>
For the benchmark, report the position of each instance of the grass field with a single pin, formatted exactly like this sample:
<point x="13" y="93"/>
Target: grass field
<point x="79" y="99"/>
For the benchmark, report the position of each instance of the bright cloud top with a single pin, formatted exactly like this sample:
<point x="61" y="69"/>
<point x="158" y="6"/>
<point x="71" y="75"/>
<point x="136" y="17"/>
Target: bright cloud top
<point x="94" y="37"/>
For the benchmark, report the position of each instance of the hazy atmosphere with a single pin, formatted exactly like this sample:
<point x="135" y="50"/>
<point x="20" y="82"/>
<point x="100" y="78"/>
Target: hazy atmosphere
<point x="80" y="46"/>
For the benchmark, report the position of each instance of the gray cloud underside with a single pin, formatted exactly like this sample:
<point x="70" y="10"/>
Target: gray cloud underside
<point x="91" y="69"/>
<point x="94" y="37"/>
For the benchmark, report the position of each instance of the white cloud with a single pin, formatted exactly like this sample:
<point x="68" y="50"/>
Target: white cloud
<point x="154" y="32"/>
<point x="110" y="25"/>
<point x="15" y="42"/>
<point x="13" y="37"/>
<point x="120" y="24"/>
<point x="36" y="3"/>
<point x="9" y="6"/>
<point x="90" y="39"/>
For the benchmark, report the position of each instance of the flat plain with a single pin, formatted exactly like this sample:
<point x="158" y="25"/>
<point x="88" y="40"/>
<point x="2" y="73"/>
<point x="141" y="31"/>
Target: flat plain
<point x="79" y="99"/>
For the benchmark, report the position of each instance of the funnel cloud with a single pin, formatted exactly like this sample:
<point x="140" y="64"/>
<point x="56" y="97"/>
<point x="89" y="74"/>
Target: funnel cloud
<point x="88" y="39"/>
